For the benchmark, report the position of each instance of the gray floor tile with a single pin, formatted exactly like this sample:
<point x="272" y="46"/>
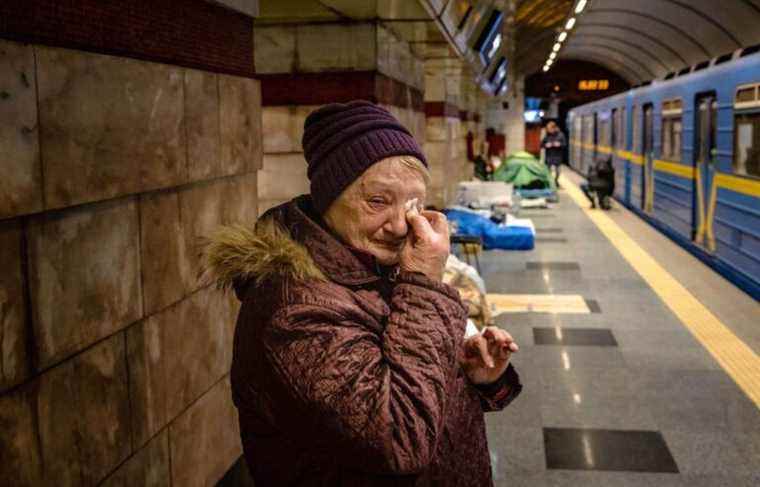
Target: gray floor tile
<point x="710" y="454"/>
<point x="579" y="410"/>
<point x="514" y="450"/>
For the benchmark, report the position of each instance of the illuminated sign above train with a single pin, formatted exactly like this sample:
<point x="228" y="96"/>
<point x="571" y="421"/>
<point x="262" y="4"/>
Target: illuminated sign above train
<point x="593" y="84"/>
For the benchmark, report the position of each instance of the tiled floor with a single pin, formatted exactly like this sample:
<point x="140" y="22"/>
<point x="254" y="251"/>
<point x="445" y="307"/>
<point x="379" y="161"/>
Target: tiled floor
<point x="627" y="386"/>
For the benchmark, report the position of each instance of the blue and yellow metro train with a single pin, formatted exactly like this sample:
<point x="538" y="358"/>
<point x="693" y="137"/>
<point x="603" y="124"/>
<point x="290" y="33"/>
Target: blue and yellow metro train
<point x="686" y="152"/>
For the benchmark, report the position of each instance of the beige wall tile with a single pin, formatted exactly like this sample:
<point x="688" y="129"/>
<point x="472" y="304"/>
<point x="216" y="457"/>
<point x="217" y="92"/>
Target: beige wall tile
<point x="84" y="275"/>
<point x="14" y="362"/>
<point x="241" y="200"/>
<point x="202" y="209"/>
<point x="280" y="130"/>
<point x="330" y="47"/>
<point x="283" y="176"/>
<point x="202" y="124"/>
<point x="166" y="273"/>
<point x="274" y="49"/>
<point x="176" y="355"/>
<point x="147" y="376"/>
<point x="209" y="425"/>
<point x="240" y="122"/>
<point x="20" y="460"/>
<point x="83" y="409"/>
<point x="109" y="126"/>
<point x="196" y="330"/>
<point x="149" y="467"/>
<point x="20" y="185"/>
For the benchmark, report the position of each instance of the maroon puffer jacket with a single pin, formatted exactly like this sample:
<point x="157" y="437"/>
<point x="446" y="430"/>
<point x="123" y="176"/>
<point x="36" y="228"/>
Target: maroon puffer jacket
<point x="343" y="374"/>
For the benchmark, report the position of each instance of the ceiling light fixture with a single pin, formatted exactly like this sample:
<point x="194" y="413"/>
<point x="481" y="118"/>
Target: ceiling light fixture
<point x="552" y="55"/>
<point x="562" y="37"/>
<point x="556" y="46"/>
<point x="570" y="23"/>
<point x="546" y="68"/>
<point x="581" y="5"/>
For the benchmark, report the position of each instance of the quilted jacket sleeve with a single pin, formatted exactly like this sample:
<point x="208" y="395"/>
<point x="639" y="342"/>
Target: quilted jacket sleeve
<point x="497" y="396"/>
<point x="376" y="401"/>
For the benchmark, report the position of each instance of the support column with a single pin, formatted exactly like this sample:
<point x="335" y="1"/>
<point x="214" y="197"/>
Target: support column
<point x="444" y="146"/>
<point x="304" y="66"/>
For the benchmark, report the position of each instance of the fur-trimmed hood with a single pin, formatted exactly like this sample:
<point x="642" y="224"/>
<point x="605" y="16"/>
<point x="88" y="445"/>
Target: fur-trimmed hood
<point x="236" y="255"/>
<point x="286" y="242"/>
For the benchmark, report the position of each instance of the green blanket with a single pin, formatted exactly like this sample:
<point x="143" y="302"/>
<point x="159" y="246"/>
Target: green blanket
<point x="523" y="170"/>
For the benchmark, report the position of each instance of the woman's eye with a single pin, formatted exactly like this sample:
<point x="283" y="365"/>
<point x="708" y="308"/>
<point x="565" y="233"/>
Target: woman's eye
<point x="377" y="202"/>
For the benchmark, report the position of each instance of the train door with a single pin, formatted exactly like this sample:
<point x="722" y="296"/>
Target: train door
<point x="647" y="153"/>
<point x="705" y="191"/>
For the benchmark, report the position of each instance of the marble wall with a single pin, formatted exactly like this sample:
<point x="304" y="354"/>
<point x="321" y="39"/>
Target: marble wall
<point x="114" y="356"/>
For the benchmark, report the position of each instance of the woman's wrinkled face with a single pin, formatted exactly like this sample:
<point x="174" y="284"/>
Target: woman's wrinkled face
<point x="369" y="215"/>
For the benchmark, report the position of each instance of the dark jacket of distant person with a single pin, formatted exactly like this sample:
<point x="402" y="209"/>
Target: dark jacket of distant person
<point x="554" y="144"/>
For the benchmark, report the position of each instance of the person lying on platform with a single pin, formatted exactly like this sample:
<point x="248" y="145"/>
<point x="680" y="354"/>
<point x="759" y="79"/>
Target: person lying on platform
<point x="600" y="182"/>
<point x="350" y="365"/>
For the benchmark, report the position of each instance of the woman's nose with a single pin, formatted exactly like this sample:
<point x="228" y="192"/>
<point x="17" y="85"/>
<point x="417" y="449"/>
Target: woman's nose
<point x="396" y="224"/>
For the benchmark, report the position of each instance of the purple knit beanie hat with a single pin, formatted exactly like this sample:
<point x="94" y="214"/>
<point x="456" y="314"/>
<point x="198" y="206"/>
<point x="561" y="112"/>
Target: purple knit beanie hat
<point x="341" y="140"/>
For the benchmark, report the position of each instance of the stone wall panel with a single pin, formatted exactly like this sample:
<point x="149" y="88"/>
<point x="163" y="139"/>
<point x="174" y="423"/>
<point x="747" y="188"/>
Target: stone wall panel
<point x="110" y="126"/>
<point x="241" y="200"/>
<point x="330" y="47"/>
<point x="84" y="276"/>
<point x="83" y="410"/>
<point x="202" y="125"/>
<point x="209" y="425"/>
<point x="275" y="49"/>
<point x="283" y="176"/>
<point x="149" y="467"/>
<point x="19" y="452"/>
<point x="279" y="130"/>
<point x="14" y="361"/>
<point x="147" y="376"/>
<point x="199" y="329"/>
<point x="240" y="124"/>
<point x="176" y="355"/>
<point x="202" y="208"/>
<point x="20" y="185"/>
<point x="166" y="272"/>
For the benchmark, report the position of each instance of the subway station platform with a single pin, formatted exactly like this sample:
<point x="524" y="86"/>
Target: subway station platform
<point x="632" y="389"/>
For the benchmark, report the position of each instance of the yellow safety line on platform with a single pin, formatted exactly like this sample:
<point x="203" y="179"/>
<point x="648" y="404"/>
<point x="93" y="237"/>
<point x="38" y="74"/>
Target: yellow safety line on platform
<point x="736" y="358"/>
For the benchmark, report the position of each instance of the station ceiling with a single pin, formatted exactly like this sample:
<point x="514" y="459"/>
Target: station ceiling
<point x="639" y="39"/>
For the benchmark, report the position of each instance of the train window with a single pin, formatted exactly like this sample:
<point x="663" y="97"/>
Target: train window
<point x="615" y="129"/>
<point x="672" y="124"/>
<point x="670" y="75"/>
<point x="684" y="71"/>
<point x="747" y="130"/>
<point x="701" y="65"/>
<point x="750" y="50"/>
<point x="724" y="58"/>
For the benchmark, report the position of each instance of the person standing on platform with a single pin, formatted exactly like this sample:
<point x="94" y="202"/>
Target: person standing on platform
<point x="554" y="144"/>
<point x="350" y="362"/>
<point x="600" y="182"/>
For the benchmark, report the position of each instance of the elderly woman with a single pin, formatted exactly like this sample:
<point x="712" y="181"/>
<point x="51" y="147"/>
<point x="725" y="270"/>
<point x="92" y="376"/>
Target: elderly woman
<point x="350" y="365"/>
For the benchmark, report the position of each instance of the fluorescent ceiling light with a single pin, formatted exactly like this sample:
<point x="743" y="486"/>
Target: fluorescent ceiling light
<point x="581" y="5"/>
<point x="546" y="68"/>
<point x="562" y="37"/>
<point x="552" y="55"/>
<point x="570" y="23"/>
<point x="556" y="46"/>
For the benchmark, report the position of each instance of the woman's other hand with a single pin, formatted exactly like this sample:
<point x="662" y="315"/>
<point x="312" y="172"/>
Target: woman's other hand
<point x="427" y="244"/>
<point x="487" y="355"/>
